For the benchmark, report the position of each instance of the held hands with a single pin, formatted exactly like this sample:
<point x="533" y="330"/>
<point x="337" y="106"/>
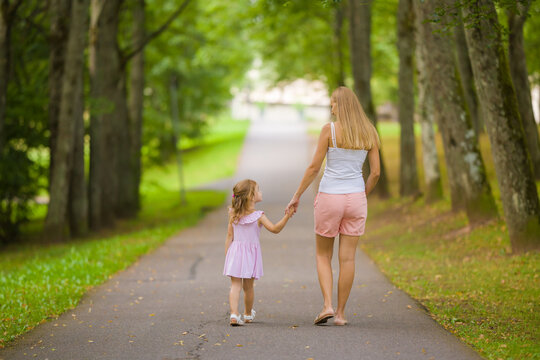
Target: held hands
<point x="292" y="206"/>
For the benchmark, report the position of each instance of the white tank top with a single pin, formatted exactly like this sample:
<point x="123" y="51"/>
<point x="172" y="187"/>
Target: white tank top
<point x="343" y="171"/>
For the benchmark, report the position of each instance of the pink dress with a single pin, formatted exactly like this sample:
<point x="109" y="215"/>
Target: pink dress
<point x="244" y="257"/>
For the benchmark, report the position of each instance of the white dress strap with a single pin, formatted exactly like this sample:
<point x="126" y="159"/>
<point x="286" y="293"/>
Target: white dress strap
<point x="333" y="134"/>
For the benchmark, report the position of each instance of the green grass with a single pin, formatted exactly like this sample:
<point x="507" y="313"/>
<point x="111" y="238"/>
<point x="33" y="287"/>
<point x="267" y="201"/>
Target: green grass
<point x="213" y="161"/>
<point x="468" y="279"/>
<point x="40" y="281"/>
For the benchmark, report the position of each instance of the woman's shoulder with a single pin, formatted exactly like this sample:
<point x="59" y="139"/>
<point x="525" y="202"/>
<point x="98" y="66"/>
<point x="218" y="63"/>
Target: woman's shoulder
<point x="325" y="130"/>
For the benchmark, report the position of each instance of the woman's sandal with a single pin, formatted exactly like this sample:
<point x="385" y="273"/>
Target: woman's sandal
<point x="250" y="318"/>
<point x="236" y="320"/>
<point x="323" y="318"/>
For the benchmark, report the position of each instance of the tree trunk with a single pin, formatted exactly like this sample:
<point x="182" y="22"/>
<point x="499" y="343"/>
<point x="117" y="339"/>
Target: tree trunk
<point x="136" y="99"/>
<point x="59" y="29"/>
<point x="520" y="77"/>
<point x="106" y="81"/>
<point x="4" y="67"/>
<point x="55" y="224"/>
<point x="338" y="43"/>
<point x="78" y="195"/>
<point x="467" y="79"/>
<point x="466" y="170"/>
<point x="432" y="174"/>
<point x="508" y="147"/>
<point x="125" y="206"/>
<point x="408" y="179"/>
<point x="360" y="49"/>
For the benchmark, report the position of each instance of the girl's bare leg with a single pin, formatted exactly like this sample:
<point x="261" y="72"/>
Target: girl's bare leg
<point x="249" y="295"/>
<point x="325" y="249"/>
<point x="234" y="294"/>
<point x="347" y="253"/>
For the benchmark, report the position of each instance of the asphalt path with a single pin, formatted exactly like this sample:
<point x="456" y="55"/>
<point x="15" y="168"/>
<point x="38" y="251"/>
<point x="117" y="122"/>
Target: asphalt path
<point x="173" y="303"/>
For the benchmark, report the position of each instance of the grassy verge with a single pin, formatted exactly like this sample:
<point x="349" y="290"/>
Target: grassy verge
<point x="41" y="281"/>
<point x="467" y="278"/>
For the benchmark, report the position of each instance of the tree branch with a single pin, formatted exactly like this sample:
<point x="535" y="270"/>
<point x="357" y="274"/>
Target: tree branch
<point x="126" y="57"/>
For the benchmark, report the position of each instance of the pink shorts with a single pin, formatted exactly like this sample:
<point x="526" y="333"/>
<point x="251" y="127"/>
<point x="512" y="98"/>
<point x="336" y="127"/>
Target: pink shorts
<point x="340" y="213"/>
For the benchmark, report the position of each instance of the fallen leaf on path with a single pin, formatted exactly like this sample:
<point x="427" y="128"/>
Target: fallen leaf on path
<point x="217" y="344"/>
<point x="90" y="341"/>
<point x="151" y="314"/>
<point x="409" y="306"/>
<point x="184" y="333"/>
<point x="202" y="336"/>
<point x="239" y="345"/>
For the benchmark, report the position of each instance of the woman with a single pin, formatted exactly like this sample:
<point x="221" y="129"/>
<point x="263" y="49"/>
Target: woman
<point x="341" y="204"/>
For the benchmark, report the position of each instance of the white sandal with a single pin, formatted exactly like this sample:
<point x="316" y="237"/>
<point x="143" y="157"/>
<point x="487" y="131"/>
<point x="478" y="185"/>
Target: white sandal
<point x="236" y="320"/>
<point x="250" y="318"/>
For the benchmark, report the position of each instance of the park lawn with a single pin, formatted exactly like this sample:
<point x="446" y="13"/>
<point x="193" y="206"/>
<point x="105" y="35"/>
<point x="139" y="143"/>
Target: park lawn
<point x="468" y="279"/>
<point x="40" y="281"/>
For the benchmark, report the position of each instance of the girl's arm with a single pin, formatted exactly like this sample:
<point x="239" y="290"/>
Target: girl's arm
<point x="313" y="168"/>
<point x="277" y="227"/>
<point x="374" y="167"/>
<point x="230" y="236"/>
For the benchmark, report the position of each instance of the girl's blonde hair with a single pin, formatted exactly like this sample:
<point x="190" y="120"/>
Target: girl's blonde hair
<point x="243" y="192"/>
<point x="357" y="131"/>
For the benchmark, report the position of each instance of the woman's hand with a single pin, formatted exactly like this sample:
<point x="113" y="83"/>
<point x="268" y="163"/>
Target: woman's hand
<point x="293" y="205"/>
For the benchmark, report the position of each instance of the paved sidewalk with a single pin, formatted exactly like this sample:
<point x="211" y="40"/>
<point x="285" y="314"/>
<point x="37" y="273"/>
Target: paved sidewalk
<point x="172" y="303"/>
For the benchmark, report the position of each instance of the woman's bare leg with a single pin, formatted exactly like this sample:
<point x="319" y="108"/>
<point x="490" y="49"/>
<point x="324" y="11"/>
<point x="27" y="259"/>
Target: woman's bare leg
<point x="234" y="294"/>
<point x="249" y="294"/>
<point x="325" y="249"/>
<point x="347" y="253"/>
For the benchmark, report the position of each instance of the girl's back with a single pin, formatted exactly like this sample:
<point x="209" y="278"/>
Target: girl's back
<point x="248" y="229"/>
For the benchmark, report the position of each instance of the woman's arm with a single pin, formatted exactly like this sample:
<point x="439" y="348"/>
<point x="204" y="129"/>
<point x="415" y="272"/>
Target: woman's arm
<point x="313" y="168"/>
<point x="277" y="227"/>
<point x="374" y="169"/>
<point x="230" y="236"/>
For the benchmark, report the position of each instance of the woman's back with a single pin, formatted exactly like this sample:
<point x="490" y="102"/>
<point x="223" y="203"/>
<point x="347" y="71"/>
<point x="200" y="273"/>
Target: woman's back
<point x="343" y="171"/>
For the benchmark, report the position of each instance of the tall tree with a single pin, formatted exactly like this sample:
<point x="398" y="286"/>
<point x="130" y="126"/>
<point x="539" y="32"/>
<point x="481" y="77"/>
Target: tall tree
<point x="112" y="173"/>
<point x="360" y="50"/>
<point x="55" y="224"/>
<point x="104" y="80"/>
<point x="338" y="45"/>
<point x="136" y="91"/>
<point x="59" y="11"/>
<point x="8" y="11"/>
<point x="517" y="15"/>
<point x="430" y="160"/>
<point x="467" y="78"/>
<point x="508" y="147"/>
<point x="78" y="190"/>
<point x="466" y="172"/>
<point x="408" y="179"/>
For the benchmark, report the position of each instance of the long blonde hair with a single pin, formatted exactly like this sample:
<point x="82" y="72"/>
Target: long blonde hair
<point x="243" y="192"/>
<point x="357" y="131"/>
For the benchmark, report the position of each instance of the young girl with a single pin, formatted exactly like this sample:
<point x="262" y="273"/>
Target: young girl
<point x="243" y="260"/>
